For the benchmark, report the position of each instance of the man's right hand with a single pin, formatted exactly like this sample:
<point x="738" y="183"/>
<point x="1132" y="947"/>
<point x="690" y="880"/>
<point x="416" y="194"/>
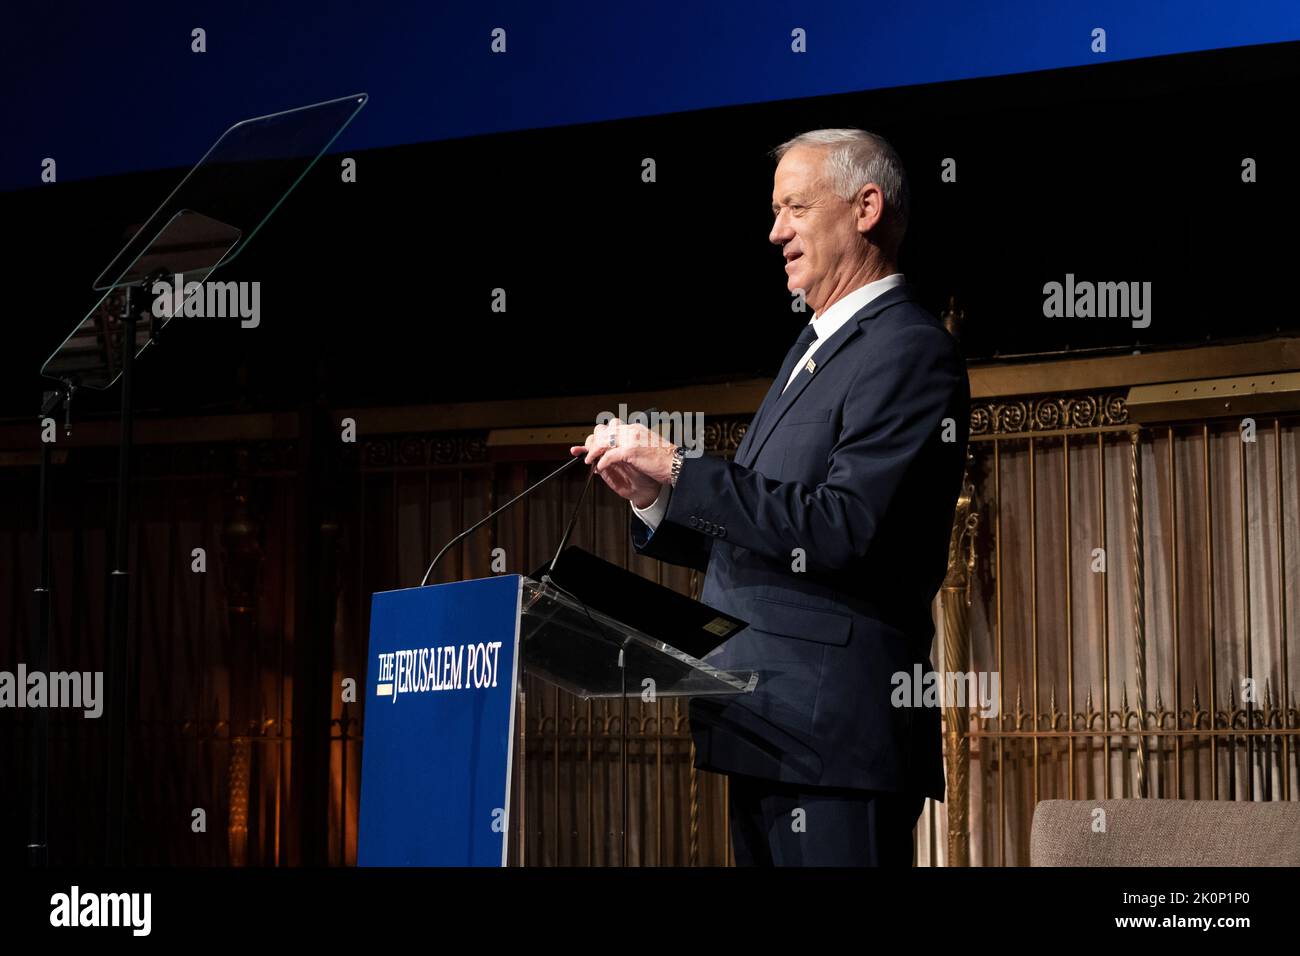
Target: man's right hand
<point x="627" y="482"/>
<point x="632" y="485"/>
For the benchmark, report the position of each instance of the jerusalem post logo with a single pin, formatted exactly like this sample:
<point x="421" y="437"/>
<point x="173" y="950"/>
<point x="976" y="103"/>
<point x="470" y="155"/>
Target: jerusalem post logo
<point x="424" y="670"/>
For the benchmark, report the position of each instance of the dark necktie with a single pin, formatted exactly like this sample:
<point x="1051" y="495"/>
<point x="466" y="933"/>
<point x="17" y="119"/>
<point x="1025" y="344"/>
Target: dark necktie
<point x="806" y="338"/>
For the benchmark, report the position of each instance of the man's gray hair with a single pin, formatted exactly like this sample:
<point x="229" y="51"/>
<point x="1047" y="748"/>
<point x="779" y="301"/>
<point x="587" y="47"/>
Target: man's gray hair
<point x="855" y="157"/>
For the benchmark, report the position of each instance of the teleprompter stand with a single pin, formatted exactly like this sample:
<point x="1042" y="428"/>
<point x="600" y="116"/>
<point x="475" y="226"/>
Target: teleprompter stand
<point x="206" y="221"/>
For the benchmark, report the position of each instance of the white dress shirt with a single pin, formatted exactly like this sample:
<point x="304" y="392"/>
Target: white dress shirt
<point x="826" y="325"/>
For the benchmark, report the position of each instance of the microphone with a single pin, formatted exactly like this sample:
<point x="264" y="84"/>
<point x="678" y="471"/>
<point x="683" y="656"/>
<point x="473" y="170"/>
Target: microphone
<point x="492" y="514"/>
<point x="577" y="508"/>
<point x="573" y="520"/>
<point x="528" y="491"/>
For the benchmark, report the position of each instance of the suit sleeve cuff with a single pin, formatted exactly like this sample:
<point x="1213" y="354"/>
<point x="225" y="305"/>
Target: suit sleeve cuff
<point x="654" y="513"/>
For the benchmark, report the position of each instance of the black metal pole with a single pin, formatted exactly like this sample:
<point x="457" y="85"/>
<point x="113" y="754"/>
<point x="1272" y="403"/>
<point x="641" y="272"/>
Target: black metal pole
<point x="119" y="595"/>
<point x="38" y="722"/>
<point x="622" y="748"/>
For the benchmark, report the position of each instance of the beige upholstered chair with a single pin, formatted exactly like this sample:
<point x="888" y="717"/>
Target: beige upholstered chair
<point x="1165" y="833"/>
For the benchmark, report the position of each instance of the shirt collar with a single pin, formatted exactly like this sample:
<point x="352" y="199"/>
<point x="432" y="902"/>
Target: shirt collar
<point x="827" y="323"/>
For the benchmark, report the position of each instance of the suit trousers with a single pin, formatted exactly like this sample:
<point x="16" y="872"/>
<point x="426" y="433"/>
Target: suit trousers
<point x="782" y="824"/>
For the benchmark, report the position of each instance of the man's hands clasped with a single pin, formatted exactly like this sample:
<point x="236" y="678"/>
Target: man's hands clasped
<point x="633" y="460"/>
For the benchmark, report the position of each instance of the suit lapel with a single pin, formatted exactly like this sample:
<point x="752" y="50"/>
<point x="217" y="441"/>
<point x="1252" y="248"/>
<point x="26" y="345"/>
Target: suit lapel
<point x="773" y="393"/>
<point x="777" y="403"/>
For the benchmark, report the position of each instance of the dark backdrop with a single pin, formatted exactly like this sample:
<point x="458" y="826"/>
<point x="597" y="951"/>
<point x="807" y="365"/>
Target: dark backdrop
<point x="379" y="291"/>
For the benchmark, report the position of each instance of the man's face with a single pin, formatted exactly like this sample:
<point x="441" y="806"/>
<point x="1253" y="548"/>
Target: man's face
<point x="816" y="227"/>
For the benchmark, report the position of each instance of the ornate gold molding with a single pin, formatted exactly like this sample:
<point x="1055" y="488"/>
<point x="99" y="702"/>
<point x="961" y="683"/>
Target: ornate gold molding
<point x="1194" y="723"/>
<point x="1049" y="413"/>
<point x="955" y="601"/>
<point x="402" y="451"/>
<point x="722" y="436"/>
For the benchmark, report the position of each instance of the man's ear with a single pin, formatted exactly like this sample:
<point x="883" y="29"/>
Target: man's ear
<point x="868" y="208"/>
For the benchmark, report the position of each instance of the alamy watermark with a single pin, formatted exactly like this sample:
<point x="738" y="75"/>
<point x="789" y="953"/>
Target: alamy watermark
<point x="1098" y="300"/>
<point x="76" y="689"/>
<point x="79" y="909"/>
<point x="946" y="689"/>
<point x="681" y="428"/>
<point x="208" y="300"/>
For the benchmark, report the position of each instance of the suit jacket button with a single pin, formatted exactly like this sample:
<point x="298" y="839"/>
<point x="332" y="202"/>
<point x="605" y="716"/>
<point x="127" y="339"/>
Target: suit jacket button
<point x="722" y="532"/>
<point x="695" y="522"/>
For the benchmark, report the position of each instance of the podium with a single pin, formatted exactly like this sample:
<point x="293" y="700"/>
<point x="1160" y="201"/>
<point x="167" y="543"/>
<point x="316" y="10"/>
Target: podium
<point x="442" y="690"/>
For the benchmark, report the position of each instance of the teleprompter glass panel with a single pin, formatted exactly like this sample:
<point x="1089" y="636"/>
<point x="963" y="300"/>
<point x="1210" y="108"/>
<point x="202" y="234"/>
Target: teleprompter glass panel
<point x="206" y="221"/>
<point x="578" y="649"/>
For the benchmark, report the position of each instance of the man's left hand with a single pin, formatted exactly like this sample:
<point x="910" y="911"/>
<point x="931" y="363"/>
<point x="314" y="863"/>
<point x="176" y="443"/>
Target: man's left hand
<point x="635" y="446"/>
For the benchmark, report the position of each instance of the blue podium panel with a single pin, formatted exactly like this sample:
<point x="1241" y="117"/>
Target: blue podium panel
<point x="440" y="697"/>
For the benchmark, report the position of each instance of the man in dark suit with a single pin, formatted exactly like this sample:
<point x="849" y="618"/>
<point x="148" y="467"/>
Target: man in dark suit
<point x="828" y="532"/>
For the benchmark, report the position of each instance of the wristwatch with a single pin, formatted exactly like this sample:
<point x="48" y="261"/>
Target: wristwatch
<point x="679" y="455"/>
